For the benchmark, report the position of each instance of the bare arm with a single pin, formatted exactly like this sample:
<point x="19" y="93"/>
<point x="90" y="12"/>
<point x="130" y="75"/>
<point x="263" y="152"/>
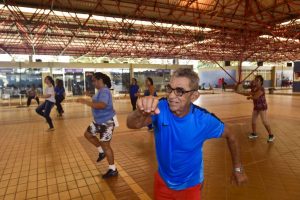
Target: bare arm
<point x="46" y="96"/>
<point x="233" y="147"/>
<point x="98" y="105"/>
<point x="238" y="176"/>
<point x="244" y="93"/>
<point x="141" y="117"/>
<point x="87" y="93"/>
<point x="136" y="120"/>
<point x="256" y="95"/>
<point x="48" y="93"/>
<point x="95" y="105"/>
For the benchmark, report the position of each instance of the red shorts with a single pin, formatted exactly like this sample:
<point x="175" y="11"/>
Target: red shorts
<point x="162" y="192"/>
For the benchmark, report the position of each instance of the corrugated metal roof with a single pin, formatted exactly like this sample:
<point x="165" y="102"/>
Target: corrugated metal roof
<point x="149" y="28"/>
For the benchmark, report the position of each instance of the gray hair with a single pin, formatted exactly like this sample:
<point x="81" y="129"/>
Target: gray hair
<point x="189" y="74"/>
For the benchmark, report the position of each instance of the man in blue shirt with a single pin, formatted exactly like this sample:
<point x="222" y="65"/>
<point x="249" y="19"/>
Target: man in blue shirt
<point x="181" y="128"/>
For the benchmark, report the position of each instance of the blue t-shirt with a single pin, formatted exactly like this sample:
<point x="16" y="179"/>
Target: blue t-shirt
<point x="133" y="90"/>
<point x="59" y="91"/>
<point x="103" y="115"/>
<point x="179" y="142"/>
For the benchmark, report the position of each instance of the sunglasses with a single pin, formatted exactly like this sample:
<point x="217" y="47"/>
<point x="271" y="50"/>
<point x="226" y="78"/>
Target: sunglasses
<point x="177" y="91"/>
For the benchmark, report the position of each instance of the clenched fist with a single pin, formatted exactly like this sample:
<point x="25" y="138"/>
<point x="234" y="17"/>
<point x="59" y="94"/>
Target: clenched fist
<point x="148" y="105"/>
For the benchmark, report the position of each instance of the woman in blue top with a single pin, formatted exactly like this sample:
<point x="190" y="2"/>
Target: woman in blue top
<point x="134" y="89"/>
<point x="103" y="124"/>
<point x="59" y="96"/>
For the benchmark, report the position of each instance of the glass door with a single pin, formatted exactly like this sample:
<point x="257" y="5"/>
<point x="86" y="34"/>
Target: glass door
<point x="74" y="83"/>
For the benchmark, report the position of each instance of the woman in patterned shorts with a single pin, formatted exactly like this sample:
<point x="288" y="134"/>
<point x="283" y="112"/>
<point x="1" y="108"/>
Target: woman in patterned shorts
<point x="103" y="124"/>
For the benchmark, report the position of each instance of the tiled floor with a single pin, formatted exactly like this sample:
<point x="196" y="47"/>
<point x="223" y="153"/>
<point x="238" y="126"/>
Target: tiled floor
<point x="35" y="164"/>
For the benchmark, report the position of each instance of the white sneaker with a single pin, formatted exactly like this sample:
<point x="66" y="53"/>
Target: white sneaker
<point x="50" y="129"/>
<point x="252" y="136"/>
<point x="271" y="138"/>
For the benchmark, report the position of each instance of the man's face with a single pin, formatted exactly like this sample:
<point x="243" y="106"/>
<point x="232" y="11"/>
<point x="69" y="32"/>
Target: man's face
<point x="180" y="104"/>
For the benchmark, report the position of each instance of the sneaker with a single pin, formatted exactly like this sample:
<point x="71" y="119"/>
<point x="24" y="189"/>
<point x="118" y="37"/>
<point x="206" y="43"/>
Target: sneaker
<point x="101" y="157"/>
<point x="271" y="138"/>
<point x="50" y="129"/>
<point x="252" y="136"/>
<point x="110" y="173"/>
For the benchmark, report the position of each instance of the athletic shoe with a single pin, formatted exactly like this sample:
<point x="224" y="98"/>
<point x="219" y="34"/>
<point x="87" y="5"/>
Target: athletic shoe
<point x="101" y="157"/>
<point x="110" y="173"/>
<point x="50" y="129"/>
<point x="271" y="138"/>
<point x="252" y="136"/>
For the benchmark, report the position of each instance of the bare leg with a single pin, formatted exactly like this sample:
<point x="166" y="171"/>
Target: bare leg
<point x="254" y="119"/>
<point x="263" y="116"/>
<point x="92" y="139"/>
<point x="112" y="170"/>
<point x="108" y="152"/>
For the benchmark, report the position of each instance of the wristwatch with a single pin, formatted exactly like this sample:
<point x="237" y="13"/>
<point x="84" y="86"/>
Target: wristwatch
<point x="238" y="169"/>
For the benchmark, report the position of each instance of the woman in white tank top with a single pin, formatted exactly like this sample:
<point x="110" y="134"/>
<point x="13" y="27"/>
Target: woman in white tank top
<point x="45" y="108"/>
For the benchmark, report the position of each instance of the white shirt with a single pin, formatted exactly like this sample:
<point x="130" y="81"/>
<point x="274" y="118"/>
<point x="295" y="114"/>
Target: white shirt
<point x="50" y="90"/>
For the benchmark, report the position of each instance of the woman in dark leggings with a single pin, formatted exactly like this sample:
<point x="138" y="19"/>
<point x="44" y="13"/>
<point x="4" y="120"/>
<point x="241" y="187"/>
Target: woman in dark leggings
<point x="59" y="96"/>
<point x="45" y="108"/>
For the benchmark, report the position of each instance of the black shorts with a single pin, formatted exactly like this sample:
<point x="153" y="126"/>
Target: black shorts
<point x="104" y="130"/>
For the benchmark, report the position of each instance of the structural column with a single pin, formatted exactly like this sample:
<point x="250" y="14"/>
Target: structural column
<point x="131" y="71"/>
<point x="240" y="71"/>
<point x="273" y="77"/>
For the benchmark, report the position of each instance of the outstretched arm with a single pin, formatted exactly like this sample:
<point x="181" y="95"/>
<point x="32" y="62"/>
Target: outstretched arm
<point x="141" y="117"/>
<point x="238" y="172"/>
<point x="45" y="96"/>
<point x="95" y="105"/>
<point x="255" y="95"/>
<point x="244" y="93"/>
<point x="136" y="120"/>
